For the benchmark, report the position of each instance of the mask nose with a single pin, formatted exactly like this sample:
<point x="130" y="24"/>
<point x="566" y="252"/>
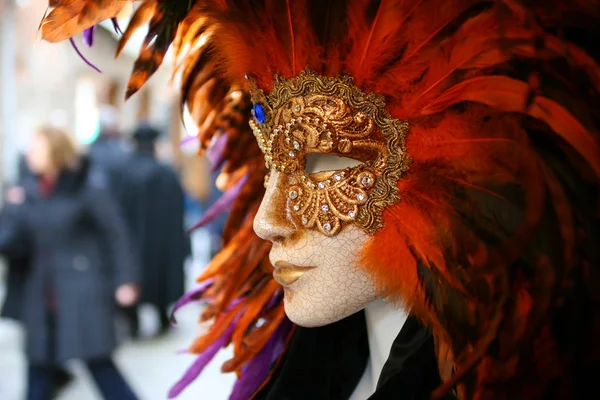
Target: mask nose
<point x="271" y="221"/>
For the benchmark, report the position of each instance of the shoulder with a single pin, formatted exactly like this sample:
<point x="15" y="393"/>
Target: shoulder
<point x="166" y="170"/>
<point x="97" y="178"/>
<point x="167" y="176"/>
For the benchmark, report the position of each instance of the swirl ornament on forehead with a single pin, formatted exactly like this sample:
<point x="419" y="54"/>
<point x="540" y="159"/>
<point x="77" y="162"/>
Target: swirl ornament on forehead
<point x="316" y="114"/>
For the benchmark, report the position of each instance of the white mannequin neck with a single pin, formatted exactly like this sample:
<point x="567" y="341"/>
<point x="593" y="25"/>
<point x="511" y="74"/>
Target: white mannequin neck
<point x="384" y="322"/>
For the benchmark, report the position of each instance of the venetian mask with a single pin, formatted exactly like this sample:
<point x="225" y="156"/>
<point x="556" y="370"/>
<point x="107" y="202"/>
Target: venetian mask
<point x="335" y="156"/>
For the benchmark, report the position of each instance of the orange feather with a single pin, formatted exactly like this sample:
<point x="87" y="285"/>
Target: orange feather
<point x="374" y="42"/>
<point x="509" y="95"/>
<point x="140" y="18"/>
<point x="256" y="304"/>
<point x="75" y="16"/>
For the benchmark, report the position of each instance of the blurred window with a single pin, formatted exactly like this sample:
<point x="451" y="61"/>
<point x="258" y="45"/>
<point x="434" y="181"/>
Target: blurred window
<point x="87" y="114"/>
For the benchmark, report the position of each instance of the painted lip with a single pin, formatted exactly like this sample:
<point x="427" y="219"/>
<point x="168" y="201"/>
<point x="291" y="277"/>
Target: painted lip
<point x="286" y="274"/>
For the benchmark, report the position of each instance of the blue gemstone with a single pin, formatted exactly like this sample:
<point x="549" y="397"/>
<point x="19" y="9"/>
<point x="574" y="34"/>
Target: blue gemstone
<point x="259" y="113"/>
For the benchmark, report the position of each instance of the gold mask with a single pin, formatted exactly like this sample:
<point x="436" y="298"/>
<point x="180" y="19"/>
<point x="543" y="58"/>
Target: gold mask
<point x="315" y="114"/>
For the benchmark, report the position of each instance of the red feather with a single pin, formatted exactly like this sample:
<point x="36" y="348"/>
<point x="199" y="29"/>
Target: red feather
<point x="374" y="42"/>
<point x="510" y="95"/>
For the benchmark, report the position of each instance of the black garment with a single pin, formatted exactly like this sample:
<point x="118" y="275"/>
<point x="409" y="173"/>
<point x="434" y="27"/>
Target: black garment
<point x="411" y="371"/>
<point x="324" y="363"/>
<point x="328" y="363"/>
<point x="155" y="211"/>
<point x="80" y="254"/>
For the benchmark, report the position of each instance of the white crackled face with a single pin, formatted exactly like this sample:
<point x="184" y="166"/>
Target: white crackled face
<point x="336" y="287"/>
<point x="335" y="156"/>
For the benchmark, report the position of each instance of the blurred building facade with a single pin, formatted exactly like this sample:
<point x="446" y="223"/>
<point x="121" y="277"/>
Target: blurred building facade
<point x="44" y="83"/>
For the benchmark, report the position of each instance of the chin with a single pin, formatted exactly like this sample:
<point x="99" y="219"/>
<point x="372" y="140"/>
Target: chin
<point x="313" y="315"/>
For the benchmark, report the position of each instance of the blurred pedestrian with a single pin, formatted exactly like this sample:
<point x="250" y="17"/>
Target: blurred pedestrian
<point x="18" y="260"/>
<point x="109" y="152"/>
<point x="81" y="262"/>
<point x="155" y="208"/>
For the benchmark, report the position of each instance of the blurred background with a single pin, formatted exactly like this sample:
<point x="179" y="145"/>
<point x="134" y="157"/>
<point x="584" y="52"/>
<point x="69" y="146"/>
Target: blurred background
<point x="43" y="84"/>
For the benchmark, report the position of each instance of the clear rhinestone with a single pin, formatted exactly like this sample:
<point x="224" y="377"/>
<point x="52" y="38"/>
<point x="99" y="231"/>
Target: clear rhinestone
<point x="352" y="214"/>
<point x="337" y="177"/>
<point x="360" y="197"/>
<point x="327" y="227"/>
<point x="304" y="221"/>
<point x="296" y="207"/>
<point x="366" y="181"/>
<point x="293" y="195"/>
<point x="292" y="154"/>
<point x="325" y="208"/>
<point x="296" y="145"/>
<point x="321" y="185"/>
<point x="297" y="108"/>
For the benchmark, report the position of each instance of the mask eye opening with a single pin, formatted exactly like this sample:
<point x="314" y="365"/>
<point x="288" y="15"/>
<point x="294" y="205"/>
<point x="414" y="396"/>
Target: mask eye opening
<point x="319" y="162"/>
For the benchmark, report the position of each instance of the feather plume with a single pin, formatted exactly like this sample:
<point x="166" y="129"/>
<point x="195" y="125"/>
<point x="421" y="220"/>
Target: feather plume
<point x="375" y="39"/>
<point x="491" y="245"/>
<point x="140" y="18"/>
<point x="509" y="95"/>
<point x="72" y="17"/>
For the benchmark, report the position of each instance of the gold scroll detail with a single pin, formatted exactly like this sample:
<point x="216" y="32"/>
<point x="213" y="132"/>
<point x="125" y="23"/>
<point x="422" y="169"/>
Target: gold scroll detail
<point x="316" y="114"/>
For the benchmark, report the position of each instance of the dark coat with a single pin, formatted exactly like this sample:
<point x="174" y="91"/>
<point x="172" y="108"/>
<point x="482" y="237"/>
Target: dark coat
<point x="109" y="154"/>
<point x="18" y="259"/>
<point x="155" y="213"/>
<point x="80" y="252"/>
<point x="16" y="254"/>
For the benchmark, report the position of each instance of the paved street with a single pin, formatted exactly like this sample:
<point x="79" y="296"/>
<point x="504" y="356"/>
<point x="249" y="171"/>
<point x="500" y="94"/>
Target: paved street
<point x="151" y="366"/>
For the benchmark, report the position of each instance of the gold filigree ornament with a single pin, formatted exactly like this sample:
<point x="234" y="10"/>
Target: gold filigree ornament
<point x="316" y="114"/>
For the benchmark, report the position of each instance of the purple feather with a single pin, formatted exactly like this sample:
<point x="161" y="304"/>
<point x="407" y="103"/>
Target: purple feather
<point x="215" y="151"/>
<point x="285" y="327"/>
<point x="257" y="370"/>
<point x="203" y="359"/>
<point x="275" y="300"/>
<point x="191" y="296"/>
<point x="188" y="140"/>
<point x="234" y="303"/>
<point x="88" y="36"/>
<point x="82" y="56"/>
<point x="116" y="25"/>
<point x="222" y="205"/>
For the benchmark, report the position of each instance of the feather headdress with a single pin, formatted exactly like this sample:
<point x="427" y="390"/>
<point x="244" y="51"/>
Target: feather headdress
<point x="492" y="244"/>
